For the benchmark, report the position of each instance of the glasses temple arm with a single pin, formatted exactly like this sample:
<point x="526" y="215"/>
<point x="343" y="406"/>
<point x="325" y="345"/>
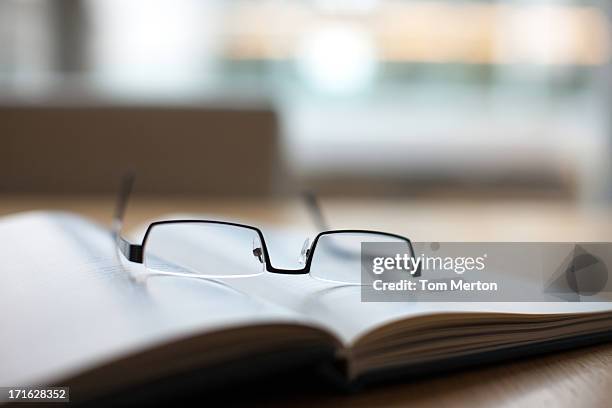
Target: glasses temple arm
<point x="314" y="209"/>
<point x="127" y="181"/>
<point x="131" y="251"/>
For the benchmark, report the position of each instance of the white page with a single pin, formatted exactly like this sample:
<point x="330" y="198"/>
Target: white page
<point x="67" y="301"/>
<point x="339" y="307"/>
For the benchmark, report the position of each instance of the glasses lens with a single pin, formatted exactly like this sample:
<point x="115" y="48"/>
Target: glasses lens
<point x="337" y="257"/>
<point x="204" y="249"/>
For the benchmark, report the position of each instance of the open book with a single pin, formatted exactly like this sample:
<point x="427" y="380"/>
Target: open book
<point x="75" y="313"/>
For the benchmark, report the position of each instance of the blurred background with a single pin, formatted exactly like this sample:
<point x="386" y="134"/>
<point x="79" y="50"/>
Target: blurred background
<point x="459" y="98"/>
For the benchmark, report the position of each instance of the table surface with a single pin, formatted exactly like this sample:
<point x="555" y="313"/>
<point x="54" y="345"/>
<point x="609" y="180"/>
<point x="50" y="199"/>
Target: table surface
<point x="581" y="377"/>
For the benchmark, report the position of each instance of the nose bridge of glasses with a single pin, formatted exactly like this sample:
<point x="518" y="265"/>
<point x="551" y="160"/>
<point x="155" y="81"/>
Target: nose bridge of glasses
<point x="261" y="253"/>
<point x="285" y="271"/>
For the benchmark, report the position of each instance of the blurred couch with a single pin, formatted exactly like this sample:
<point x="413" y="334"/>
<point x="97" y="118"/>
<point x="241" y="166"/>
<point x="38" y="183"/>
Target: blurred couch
<point x="172" y="149"/>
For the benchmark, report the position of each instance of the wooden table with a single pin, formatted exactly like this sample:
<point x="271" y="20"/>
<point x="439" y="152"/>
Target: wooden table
<point x="581" y="377"/>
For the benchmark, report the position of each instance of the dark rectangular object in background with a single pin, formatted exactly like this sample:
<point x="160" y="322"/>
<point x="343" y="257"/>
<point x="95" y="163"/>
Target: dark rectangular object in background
<point x="180" y="150"/>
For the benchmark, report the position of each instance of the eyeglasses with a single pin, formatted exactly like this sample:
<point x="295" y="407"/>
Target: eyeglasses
<point x="220" y="249"/>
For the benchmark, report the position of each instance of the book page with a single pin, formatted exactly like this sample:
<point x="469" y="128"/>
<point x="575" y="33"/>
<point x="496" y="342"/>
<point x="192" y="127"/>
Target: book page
<point x="339" y="307"/>
<point x="69" y="303"/>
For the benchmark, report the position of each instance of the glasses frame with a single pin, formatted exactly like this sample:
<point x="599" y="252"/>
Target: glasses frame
<point x="135" y="252"/>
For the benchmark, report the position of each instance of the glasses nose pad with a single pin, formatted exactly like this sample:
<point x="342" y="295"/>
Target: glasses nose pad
<point x="258" y="252"/>
<point x="304" y="252"/>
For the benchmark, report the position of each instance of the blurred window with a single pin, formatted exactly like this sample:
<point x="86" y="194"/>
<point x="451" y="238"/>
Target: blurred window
<point x="476" y="90"/>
